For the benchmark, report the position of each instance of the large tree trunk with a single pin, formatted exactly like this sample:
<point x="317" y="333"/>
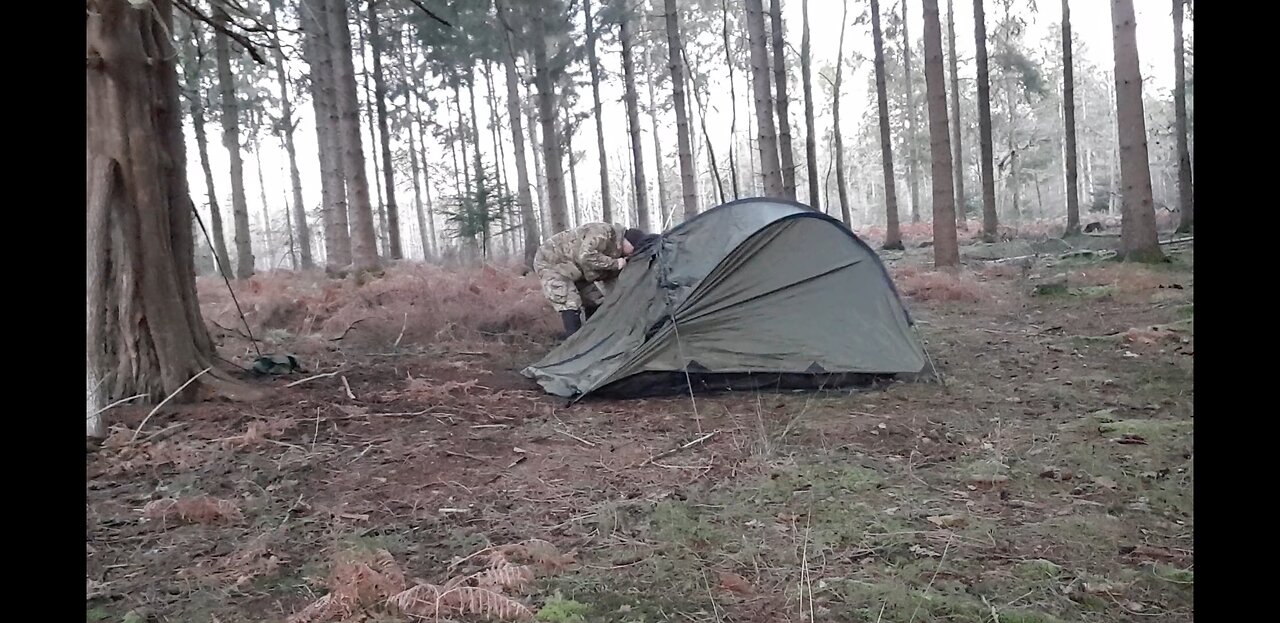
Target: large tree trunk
<point x="333" y="193"/>
<point x="552" y="158"/>
<point x="364" y="243"/>
<point x="682" y="117"/>
<point x="193" y="65"/>
<point x="606" y="205"/>
<point x="302" y="237"/>
<point x="1186" y="192"/>
<point x="945" y="249"/>
<point x="388" y="171"/>
<point x="990" y="222"/>
<point x="893" y="233"/>
<point x="957" y="145"/>
<point x="837" y="136"/>
<point x="1069" y="121"/>
<point x="1139" y="240"/>
<point x="528" y="221"/>
<point x="733" y="100"/>
<point x="769" y="165"/>
<point x="810" y="141"/>
<point x="231" y="141"/>
<point x="633" y="122"/>
<point x="784" y="120"/>
<point x="144" y="332"/>
<point x="913" y="155"/>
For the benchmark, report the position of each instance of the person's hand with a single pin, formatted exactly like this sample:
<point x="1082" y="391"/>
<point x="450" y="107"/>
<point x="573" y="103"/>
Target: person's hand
<point x="622" y="262"/>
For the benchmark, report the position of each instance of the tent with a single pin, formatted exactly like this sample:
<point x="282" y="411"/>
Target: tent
<point x="751" y="294"/>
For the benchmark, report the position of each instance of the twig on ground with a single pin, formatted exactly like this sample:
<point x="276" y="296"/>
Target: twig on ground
<point x="314" y="377"/>
<point x="114" y="405"/>
<point x="348" y="329"/>
<point x="167" y="399"/>
<point x="163" y="431"/>
<point x="573" y="436"/>
<point x="403" y="325"/>
<point x="667" y="453"/>
<point x="347" y="386"/>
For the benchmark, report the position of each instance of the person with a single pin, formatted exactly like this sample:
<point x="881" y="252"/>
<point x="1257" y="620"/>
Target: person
<point x="579" y="265"/>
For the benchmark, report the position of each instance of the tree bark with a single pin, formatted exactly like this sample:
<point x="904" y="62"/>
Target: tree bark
<point x="262" y="196"/>
<point x="231" y="141"/>
<point x="784" y="120"/>
<point x="302" y="237"/>
<point x="657" y="144"/>
<point x="837" y="136"/>
<point x="569" y="130"/>
<point x="364" y="243"/>
<point x="193" y="65"/>
<point x="552" y="158"/>
<point x="144" y="331"/>
<point x="1186" y="192"/>
<point x="1139" y="240"/>
<point x="1069" y="121"/>
<point x="946" y="252"/>
<point x="810" y="141"/>
<point x="770" y="168"/>
<point x="718" y="195"/>
<point x="913" y="154"/>
<point x="380" y="232"/>
<point x="957" y="144"/>
<point x="682" y="117"/>
<point x="606" y="205"/>
<point x="1010" y="136"/>
<point x="380" y="101"/>
<point x="540" y="180"/>
<point x="633" y="121"/>
<point x="990" y="222"/>
<point x="733" y="99"/>
<point x="333" y="193"/>
<point x="430" y="247"/>
<point x="460" y="136"/>
<point x="415" y="167"/>
<point x="893" y="233"/>
<point x="527" y="218"/>
<point x="501" y="176"/>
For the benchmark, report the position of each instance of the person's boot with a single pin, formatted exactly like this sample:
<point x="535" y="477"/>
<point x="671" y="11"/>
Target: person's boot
<point x="572" y="322"/>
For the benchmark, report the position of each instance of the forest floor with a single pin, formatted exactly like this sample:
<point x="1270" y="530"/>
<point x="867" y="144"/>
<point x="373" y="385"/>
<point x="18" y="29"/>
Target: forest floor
<point x="1050" y="479"/>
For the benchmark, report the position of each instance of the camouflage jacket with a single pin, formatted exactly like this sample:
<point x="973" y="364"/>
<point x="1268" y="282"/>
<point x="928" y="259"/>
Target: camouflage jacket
<point x="588" y="252"/>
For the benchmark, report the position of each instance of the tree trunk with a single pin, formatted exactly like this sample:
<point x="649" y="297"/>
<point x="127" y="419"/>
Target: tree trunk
<point x="535" y="146"/>
<point x="633" y="122"/>
<point x="945" y="249"/>
<point x="958" y="157"/>
<point x="810" y="141"/>
<point x="552" y="158"/>
<point x="606" y="205"/>
<point x="501" y="176"/>
<point x="231" y="141"/>
<point x="333" y="193"/>
<point x="415" y="167"/>
<point x="1069" y="121"/>
<point x="430" y="247"/>
<point x="460" y="136"/>
<point x="380" y="100"/>
<point x="144" y="332"/>
<point x="475" y="129"/>
<point x="990" y="222"/>
<point x="784" y="120"/>
<point x="458" y="169"/>
<point x="569" y="130"/>
<point x="657" y="145"/>
<point x="1186" y="193"/>
<point x="733" y="99"/>
<point x="193" y="65"/>
<point x="262" y="196"/>
<point x="769" y="165"/>
<point x="380" y="232"/>
<point x="682" y="117"/>
<point x="913" y="154"/>
<point x="718" y="196"/>
<point x="1014" y="185"/>
<point x="841" y="187"/>
<point x="364" y="243"/>
<point x="529" y="222"/>
<point x="893" y="234"/>
<point x="1139" y="240"/>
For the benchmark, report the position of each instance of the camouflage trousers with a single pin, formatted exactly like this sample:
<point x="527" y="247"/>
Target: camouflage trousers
<point x="566" y="294"/>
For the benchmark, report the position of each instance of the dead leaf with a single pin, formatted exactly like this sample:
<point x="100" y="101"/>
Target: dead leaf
<point x="921" y="550"/>
<point x="735" y="583"/>
<point x="946" y="521"/>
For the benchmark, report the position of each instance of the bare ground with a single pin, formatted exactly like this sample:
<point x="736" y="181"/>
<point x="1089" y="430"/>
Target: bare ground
<point x="1050" y="479"/>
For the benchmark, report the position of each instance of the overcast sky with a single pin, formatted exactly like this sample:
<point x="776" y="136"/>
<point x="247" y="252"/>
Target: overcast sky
<point x="1091" y="21"/>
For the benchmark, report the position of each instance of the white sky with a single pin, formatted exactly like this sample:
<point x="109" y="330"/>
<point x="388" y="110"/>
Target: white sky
<point x="1091" y="21"/>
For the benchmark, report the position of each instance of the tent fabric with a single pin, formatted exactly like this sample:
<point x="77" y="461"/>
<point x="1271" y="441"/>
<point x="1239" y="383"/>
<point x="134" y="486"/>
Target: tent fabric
<point x="758" y="290"/>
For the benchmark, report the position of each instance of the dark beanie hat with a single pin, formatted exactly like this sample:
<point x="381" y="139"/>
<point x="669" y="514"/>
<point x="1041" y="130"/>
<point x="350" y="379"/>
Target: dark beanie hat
<point x="635" y="237"/>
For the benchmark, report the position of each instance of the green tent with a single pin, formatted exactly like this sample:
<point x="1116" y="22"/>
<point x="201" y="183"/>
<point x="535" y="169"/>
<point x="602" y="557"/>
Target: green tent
<point x="751" y="294"/>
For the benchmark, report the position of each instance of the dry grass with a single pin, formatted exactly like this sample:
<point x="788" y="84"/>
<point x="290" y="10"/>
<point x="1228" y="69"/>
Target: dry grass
<point x="930" y="285"/>
<point x="197" y="509"/>
<point x="430" y="303"/>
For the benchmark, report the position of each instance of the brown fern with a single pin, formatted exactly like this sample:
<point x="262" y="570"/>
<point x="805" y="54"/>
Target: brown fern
<point x="514" y="577"/>
<point x="484" y="602"/>
<point x="321" y="609"/>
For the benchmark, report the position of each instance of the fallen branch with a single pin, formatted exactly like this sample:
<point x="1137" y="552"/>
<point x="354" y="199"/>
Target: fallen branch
<point x="348" y="329"/>
<point x="403" y="325"/>
<point x="573" y="436"/>
<point x="678" y="449"/>
<point x="347" y="386"/>
<point x="167" y="399"/>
